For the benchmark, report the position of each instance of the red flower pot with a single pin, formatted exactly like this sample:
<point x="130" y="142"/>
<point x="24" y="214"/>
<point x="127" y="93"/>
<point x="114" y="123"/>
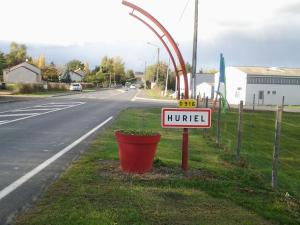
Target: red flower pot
<point x="136" y="153"/>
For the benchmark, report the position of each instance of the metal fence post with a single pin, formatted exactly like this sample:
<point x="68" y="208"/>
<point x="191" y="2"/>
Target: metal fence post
<point x="239" y="131"/>
<point x="276" y="149"/>
<point x="219" y="123"/>
<point x="206" y="106"/>
<point x="253" y="101"/>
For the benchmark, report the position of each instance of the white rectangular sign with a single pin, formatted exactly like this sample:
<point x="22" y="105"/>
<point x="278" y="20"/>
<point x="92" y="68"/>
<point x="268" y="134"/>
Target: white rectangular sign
<point x="186" y="118"/>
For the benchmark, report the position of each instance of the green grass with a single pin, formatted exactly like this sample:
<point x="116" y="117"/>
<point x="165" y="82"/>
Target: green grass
<point x="43" y="93"/>
<point x="293" y="106"/>
<point x="217" y="190"/>
<point x="155" y="93"/>
<point x="51" y="93"/>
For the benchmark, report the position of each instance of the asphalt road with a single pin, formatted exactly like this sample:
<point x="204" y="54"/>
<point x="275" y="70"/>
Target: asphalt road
<point x="40" y="138"/>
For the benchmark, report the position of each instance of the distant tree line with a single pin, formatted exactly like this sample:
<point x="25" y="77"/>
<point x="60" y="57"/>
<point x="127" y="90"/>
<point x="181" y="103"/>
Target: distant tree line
<point x="109" y="71"/>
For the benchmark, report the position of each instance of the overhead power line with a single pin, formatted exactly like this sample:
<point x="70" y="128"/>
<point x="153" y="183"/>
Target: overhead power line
<point x="181" y="16"/>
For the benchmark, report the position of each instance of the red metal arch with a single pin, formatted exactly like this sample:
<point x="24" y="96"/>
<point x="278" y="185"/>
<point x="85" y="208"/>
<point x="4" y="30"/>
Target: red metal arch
<point x="167" y="48"/>
<point x="185" y="135"/>
<point x="168" y="36"/>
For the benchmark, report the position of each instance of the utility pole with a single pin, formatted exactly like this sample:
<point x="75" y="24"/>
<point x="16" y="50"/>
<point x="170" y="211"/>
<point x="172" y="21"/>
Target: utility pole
<point x="157" y="68"/>
<point x="194" y="62"/>
<point x="145" y="75"/>
<point x="166" y="87"/>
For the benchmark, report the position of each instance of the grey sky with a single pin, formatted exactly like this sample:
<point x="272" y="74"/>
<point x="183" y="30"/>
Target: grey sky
<point x="249" y="32"/>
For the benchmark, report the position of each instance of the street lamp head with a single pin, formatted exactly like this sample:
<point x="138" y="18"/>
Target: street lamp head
<point x="149" y="43"/>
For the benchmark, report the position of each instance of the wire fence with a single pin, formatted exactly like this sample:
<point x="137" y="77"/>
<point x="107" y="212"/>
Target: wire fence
<point x="258" y="143"/>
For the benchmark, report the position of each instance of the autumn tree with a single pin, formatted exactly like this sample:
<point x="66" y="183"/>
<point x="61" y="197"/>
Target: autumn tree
<point x="151" y="71"/>
<point x="2" y="63"/>
<point x="74" y="65"/>
<point x="42" y="62"/>
<point x="86" y="69"/>
<point x="113" y="68"/>
<point x="39" y="62"/>
<point x="118" y="70"/>
<point x="50" y="73"/>
<point x="17" y="54"/>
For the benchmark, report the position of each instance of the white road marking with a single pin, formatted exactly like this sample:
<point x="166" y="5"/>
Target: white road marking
<point x="49" y="106"/>
<point x="19" y="114"/>
<point x="13" y="186"/>
<point x="34" y="114"/>
<point x="134" y="98"/>
<point x="33" y="109"/>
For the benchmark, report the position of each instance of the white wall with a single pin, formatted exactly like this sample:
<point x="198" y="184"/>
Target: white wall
<point x="182" y="84"/>
<point x="75" y="77"/>
<point x="291" y="94"/>
<point x="21" y="75"/>
<point x="204" y="89"/>
<point x="236" y="81"/>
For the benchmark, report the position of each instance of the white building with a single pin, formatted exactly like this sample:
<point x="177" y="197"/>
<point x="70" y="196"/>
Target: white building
<point x="22" y="73"/>
<point x="75" y="77"/>
<point x="80" y="71"/>
<point x="204" y="85"/>
<point x="264" y="85"/>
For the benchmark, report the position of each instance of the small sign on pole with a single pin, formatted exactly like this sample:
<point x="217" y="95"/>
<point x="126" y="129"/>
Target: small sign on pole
<point x="186" y="118"/>
<point x="187" y="103"/>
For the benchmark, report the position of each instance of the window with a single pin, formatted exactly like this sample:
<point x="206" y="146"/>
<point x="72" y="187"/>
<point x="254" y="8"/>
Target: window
<point x="274" y="92"/>
<point x="268" y="92"/>
<point x="261" y="95"/>
<point x="273" y="80"/>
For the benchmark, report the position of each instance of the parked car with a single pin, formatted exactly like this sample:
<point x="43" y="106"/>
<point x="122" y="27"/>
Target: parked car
<point x="132" y="86"/>
<point x="75" y="87"/>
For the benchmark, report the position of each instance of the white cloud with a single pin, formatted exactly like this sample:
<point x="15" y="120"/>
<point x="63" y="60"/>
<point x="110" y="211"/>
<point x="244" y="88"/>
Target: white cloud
<point x="77" y="21"/>
<point x="229" y="26"/>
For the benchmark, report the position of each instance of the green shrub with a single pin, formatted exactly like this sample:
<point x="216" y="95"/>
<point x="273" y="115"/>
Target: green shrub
<point x="58" y="87"/>
<point x="87" y="85"/>
<point x="23" y="88"/>
<point x="10" y="87"/>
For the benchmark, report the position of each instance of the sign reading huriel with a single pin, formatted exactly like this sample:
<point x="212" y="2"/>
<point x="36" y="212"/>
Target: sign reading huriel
<point x="187" y="103"/>
<point x="186" y="118"/>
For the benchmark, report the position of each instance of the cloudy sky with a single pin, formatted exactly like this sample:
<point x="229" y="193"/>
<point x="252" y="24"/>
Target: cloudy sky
<point x="248" y="32"/>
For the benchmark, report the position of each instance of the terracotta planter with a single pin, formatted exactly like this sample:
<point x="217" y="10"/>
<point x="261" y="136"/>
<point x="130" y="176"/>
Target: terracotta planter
<point x="136" y="153"/>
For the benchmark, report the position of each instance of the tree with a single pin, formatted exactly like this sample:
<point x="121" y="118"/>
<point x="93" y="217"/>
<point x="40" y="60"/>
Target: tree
<point x="65" y="77"/>
<point x="151" y="72"/>
<point x="50" y="73"/>
<point x="130" y="74"/>
<point x="86" y="69"/>
<point x="113" y="68"/>
<point x="41" y="62"/>
<point x="74" y="65"/>
<point x="188" y="67"/>
<point x="2" y="63"/>
<point x="99" y="77"/>
<point x="17" y="54"/>
<point x="119" y="70"/>
<point x="95" y="70"/>
<point x="162" y="72"/>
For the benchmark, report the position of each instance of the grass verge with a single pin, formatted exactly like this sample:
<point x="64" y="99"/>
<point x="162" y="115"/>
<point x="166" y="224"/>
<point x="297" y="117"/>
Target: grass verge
<point x="217" y="190"/>
<point x="156" y="93"/>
